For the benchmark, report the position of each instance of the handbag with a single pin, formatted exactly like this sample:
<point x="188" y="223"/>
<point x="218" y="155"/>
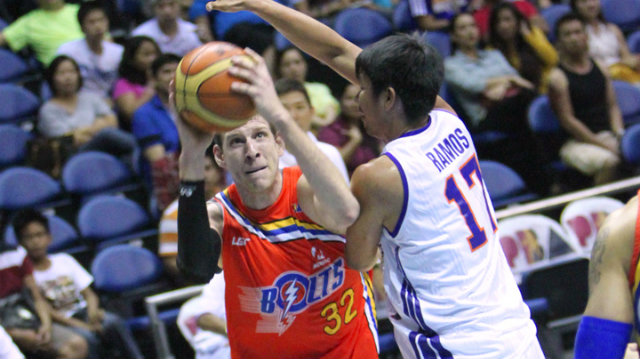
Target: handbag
<point x="18" y="311"/>
<point x="50" y="154"/>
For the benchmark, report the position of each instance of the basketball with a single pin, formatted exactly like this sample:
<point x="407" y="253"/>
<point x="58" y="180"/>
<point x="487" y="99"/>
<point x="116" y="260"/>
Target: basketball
<point x="203" y="89"/>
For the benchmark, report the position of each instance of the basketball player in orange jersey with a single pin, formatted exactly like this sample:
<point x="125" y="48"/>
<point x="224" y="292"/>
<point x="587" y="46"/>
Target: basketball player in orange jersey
<point x="289" y="293"/>
<point x="614" y="274"/>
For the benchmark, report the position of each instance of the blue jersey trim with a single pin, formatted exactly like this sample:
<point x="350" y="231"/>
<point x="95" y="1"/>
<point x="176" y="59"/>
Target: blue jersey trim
<point x="419" y="130"/>
<point x="405" y="199"/>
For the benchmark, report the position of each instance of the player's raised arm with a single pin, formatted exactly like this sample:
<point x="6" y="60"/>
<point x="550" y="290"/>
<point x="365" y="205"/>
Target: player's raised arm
<point x="606" y="326"/>
<point x="323" y="192"/>
<point x="310" y="35"/>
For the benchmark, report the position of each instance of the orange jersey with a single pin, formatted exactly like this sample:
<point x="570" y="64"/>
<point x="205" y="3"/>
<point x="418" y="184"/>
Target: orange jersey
<point x="289" y="293"/>
<point x="634" y="270"/>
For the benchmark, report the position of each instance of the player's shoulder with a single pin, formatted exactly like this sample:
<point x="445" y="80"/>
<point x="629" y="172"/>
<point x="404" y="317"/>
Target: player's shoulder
<point x="376" y="176"/>
<point x="618" y="230"/>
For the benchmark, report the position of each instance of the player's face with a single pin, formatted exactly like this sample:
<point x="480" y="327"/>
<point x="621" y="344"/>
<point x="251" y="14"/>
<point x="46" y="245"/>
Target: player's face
<point x="145" y="54"/>
<point x="251" y="153"/>
<point x="293" y="66"/>
<point x="95" y="24"/>
<point x="572" y="38"/>
<point x="167" y="10"/>
<point x="299" y="108"/>
<point x="507" y="25"/>
<point x="465" y="32"/>
<point x="372" y="108"/>
<point x="349" y="102"/>
<point x="35" y="239"/>
<point x="66" y="79"/>
<point x="164" y="76"/>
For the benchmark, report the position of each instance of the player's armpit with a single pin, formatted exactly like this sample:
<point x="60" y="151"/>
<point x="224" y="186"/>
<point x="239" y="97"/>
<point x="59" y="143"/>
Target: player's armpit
<point x="378" y="188"/>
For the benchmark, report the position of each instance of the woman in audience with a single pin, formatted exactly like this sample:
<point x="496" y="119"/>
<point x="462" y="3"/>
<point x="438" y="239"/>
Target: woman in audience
<point x="135" y="86"/>
<point x="607" y="44"/>
<point x="83" y="115"/>
<point x="524" y="45"/>
<point x="291" y="64"/>
<point x="347" y="132"/>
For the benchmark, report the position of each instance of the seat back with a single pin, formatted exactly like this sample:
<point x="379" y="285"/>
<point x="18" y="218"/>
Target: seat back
<point x="630" y="145"/>
<point x="628" y="98"/>
<point x="106" y="217"/>
<point x="633" y="41"/>
<point x="440" y="41"/>
<point x="281" y="42"/>
<point x="63" y="235"/>
<point x="624" y="13"/>
<point x="125" y="267"/>
<point x="91" y="172"/>
<point x="402" y="19"/>
<point x="582" y="218"/>
<point x="22" y="187"/>
<point x="541" y="118"/>
<point x="552" y="14"/>
<point x="13" y="145"/>
<point x="362" y="26"/>
<point x="531" y="242"/>
<point x="504" y="185"/>
<point x="18" y="104"/>
<point x="12" y="67"/>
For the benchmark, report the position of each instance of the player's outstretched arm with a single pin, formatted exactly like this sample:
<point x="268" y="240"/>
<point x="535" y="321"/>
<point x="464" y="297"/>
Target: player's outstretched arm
<point x="199" y="245"/>
<point x="310" y="35"/>
<point x="606" y="326"/>
<point x="323" y="192"/>
<point x="378" y="187"/>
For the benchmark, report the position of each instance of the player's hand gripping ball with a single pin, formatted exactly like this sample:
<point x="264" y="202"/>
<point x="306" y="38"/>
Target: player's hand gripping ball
<point x="203" y="89"/>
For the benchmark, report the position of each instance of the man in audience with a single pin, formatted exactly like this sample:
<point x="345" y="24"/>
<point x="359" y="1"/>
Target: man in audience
<point x="172" y="34"/>
<point x="98" y="59"/>
<point x="65" y="284"/>
<point x="155" y="130"/>
<point x="31" y="328"/>
<point x="582" y="97"/>
<point x="43" y="29"/>
<point x="295" y="99"/>
<point x="214" y="182"/>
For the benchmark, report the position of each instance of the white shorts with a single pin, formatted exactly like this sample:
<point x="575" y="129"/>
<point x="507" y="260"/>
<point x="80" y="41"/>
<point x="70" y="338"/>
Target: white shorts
<point x="206" y="344"/>
<point x="8" y="349"/>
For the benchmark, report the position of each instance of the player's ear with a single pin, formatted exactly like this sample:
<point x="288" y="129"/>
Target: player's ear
<point x="389" y="98"/>
<point x="219" y="156"/>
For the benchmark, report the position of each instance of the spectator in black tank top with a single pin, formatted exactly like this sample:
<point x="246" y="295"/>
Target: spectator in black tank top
<point x="582" y="96"/>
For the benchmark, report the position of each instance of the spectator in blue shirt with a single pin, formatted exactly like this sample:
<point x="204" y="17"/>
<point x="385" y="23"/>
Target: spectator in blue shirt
<point x="155" y="130"/>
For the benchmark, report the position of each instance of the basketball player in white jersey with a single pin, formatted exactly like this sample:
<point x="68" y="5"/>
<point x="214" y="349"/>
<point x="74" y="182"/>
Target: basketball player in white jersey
<point x="423" y="200"/>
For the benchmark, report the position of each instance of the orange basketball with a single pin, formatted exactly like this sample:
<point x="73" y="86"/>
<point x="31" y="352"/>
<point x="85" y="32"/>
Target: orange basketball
<point x="203" y="89"/>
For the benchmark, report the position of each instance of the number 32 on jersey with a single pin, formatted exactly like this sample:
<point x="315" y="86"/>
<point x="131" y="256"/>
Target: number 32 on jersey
<point x="455" y="194"/>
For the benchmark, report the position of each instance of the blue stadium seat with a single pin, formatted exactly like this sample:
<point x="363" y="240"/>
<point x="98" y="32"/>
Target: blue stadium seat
<point x="624" y="13"/>
<point x="402" y="19"/>
<point x="12" y="66"/>
<point x="542" y="120"/>
<point x="439" y="40"/>
<point x="90" y="173"/>
<point x="631" y="145"/>
<point x="504" y="185"/>
<point x="633" y="41"/>
<point x="107" y="220"/>
<point x="628" y="97"/>
<point x="3" y="24"/>
<point x="13" y="148"/>
<point x="552" y="14"/>
<point x="362" y="26"/>
<point x="281" y="42"/>
<point x="64" y="238"/>
<point x="22" y="187"/>
<point x="18" y="104"/>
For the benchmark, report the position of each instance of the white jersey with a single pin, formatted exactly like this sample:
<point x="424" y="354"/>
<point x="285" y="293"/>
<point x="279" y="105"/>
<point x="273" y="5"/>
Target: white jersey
<point x="446" y="276"/>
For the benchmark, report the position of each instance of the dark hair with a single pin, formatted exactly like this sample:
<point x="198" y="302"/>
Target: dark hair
<point x="414" y="70"/>
<point x="530" y="64"/>
<point x="572" y="3"/>
<point x="88" y="6"/>
<point x="24" y="218"/>
<point x="162" y="60"/>
<point x="280" y="55"/>
<point x="452" y="27"/>
<point x="285" y="86"/>
<point x="565" y="19"/>
<point x="53" y="67"/>
<point x="127" y="68"/>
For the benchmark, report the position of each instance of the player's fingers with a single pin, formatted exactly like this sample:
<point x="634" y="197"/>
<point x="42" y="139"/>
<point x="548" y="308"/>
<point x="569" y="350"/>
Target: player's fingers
<point x="244" y="74"/>
<point x="244" y="88"/>
<point x="254" y="55"/>
<point x="243" y="61"/>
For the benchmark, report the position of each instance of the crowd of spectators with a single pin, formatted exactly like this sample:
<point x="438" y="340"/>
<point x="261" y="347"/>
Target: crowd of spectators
<point x="106" y="88"/>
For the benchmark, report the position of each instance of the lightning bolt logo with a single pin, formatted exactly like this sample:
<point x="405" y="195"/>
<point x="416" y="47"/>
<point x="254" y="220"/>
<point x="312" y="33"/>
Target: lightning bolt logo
<point x="292" y="294"/>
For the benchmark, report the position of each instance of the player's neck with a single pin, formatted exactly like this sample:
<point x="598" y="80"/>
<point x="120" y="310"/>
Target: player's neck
<point x="261" y="199"/>
<point x="405" y="127"/>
